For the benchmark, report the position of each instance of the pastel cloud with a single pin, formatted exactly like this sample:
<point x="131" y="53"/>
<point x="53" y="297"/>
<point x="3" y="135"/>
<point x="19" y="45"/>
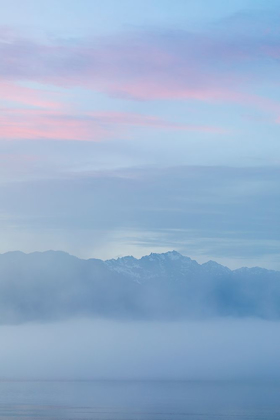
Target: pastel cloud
<point x="37" y="124"/>
<point x="221" y="65"/>
<point x="14" y="93"/>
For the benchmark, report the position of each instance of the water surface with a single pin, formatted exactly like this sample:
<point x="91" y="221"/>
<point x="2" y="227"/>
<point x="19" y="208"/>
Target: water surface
<point x="139" y="400"/>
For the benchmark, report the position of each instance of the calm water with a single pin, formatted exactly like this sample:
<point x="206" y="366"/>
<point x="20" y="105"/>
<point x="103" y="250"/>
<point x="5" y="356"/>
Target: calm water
<point x="139" y="400"/>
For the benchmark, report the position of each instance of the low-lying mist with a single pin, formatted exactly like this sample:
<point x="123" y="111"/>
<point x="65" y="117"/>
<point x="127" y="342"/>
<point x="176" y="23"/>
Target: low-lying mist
<point x="84" y="349"/>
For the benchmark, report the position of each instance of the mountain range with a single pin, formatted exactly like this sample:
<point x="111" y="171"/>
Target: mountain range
<point x="54" y="285"/>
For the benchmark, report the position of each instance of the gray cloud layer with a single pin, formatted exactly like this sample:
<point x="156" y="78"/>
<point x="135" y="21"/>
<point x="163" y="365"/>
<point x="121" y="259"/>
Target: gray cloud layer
<point x="219" y="211"/>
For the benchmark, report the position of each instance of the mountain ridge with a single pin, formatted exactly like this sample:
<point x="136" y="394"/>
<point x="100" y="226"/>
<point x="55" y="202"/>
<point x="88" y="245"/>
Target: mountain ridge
<point x="127" y="257"/>
<point x="53" y="285"/>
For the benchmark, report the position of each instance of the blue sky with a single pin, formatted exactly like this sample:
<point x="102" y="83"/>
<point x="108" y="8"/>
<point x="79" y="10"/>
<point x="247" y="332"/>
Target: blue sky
<point x="137" y="127"/>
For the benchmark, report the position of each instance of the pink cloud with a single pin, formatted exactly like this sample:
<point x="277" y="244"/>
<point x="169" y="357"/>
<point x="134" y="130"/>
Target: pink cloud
<point x="16" y="94"/>
<point x="40" y="124"/>
<point x="205" y="67"/>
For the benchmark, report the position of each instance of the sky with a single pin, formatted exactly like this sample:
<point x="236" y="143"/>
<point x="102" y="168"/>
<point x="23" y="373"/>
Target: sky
<point x="135" y="127"/>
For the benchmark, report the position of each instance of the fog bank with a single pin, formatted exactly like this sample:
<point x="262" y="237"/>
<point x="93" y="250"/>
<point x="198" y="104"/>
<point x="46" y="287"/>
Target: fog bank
<point x="55" y="286"/>
<point x="97" y="349"/>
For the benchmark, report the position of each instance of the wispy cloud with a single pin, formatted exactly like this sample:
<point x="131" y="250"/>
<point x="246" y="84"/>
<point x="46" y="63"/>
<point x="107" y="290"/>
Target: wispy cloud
<point x="14" y="94"/>
<point x="42" y="124"/>
<point x="223" y="64"/>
